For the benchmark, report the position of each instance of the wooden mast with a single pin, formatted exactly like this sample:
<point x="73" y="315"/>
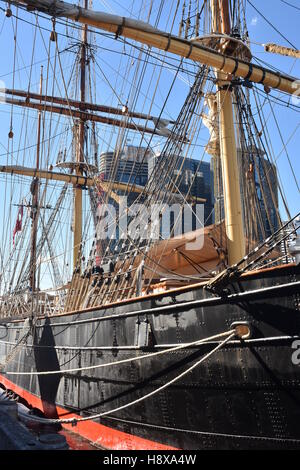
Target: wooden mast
<point x="69" y="103"/>
<point x="80" y="154"/>
<point x="228" y="149"/>
<point x="35" y="202"/>
<point x="87" y="116"/>
<point x="85" y="181"/>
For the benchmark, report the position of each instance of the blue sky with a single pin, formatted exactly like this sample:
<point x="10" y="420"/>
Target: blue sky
<point x="287" y="20"/>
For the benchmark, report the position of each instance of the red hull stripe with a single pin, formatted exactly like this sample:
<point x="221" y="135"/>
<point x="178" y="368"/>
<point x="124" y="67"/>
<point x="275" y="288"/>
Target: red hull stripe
<point x="102" y="435"/>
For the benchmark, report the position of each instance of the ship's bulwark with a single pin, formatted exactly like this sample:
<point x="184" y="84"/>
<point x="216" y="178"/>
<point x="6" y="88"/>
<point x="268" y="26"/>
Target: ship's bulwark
<point x="245" y="396"/>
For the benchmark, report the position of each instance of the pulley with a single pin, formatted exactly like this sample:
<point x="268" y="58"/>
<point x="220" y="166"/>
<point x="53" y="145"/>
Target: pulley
<point x="53" y="34"/>
<point x="8" y="12"/>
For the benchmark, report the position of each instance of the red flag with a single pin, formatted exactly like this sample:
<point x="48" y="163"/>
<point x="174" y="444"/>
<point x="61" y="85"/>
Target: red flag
<point x="100" y="191"/>
<point x="18" y="226"/>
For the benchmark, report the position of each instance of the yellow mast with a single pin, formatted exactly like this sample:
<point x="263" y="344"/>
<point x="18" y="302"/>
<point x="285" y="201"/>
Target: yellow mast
<point x="228" y="150"/>
<point x="80" y="155"/>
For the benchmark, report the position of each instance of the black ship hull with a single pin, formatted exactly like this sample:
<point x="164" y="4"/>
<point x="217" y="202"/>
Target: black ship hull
<point x="244" y="396"/>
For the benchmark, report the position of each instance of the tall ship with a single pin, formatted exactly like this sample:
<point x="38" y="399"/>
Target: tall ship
<point x="150" y="278"/>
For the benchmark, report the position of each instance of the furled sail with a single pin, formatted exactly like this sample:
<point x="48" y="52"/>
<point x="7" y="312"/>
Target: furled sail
<point x="211" y="121"/>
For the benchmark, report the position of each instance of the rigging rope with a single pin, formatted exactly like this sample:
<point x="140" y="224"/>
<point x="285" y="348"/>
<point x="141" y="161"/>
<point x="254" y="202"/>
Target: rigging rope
<point x="272" y="26"/>
<point x="234" y="271"/>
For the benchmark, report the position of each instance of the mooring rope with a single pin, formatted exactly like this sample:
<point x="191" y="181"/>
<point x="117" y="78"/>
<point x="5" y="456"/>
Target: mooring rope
<point x="73" y="421"/>
<point x="122" y="361"/>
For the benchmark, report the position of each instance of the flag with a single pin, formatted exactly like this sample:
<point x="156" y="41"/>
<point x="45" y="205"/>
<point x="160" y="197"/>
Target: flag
<point x="18" y="226"/>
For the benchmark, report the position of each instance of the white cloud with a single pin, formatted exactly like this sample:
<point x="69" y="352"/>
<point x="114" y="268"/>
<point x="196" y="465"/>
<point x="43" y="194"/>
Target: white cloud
<point x="254" y="21"/>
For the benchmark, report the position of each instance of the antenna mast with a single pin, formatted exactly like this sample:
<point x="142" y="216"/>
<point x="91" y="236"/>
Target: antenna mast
<point x="35" y="202"/>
